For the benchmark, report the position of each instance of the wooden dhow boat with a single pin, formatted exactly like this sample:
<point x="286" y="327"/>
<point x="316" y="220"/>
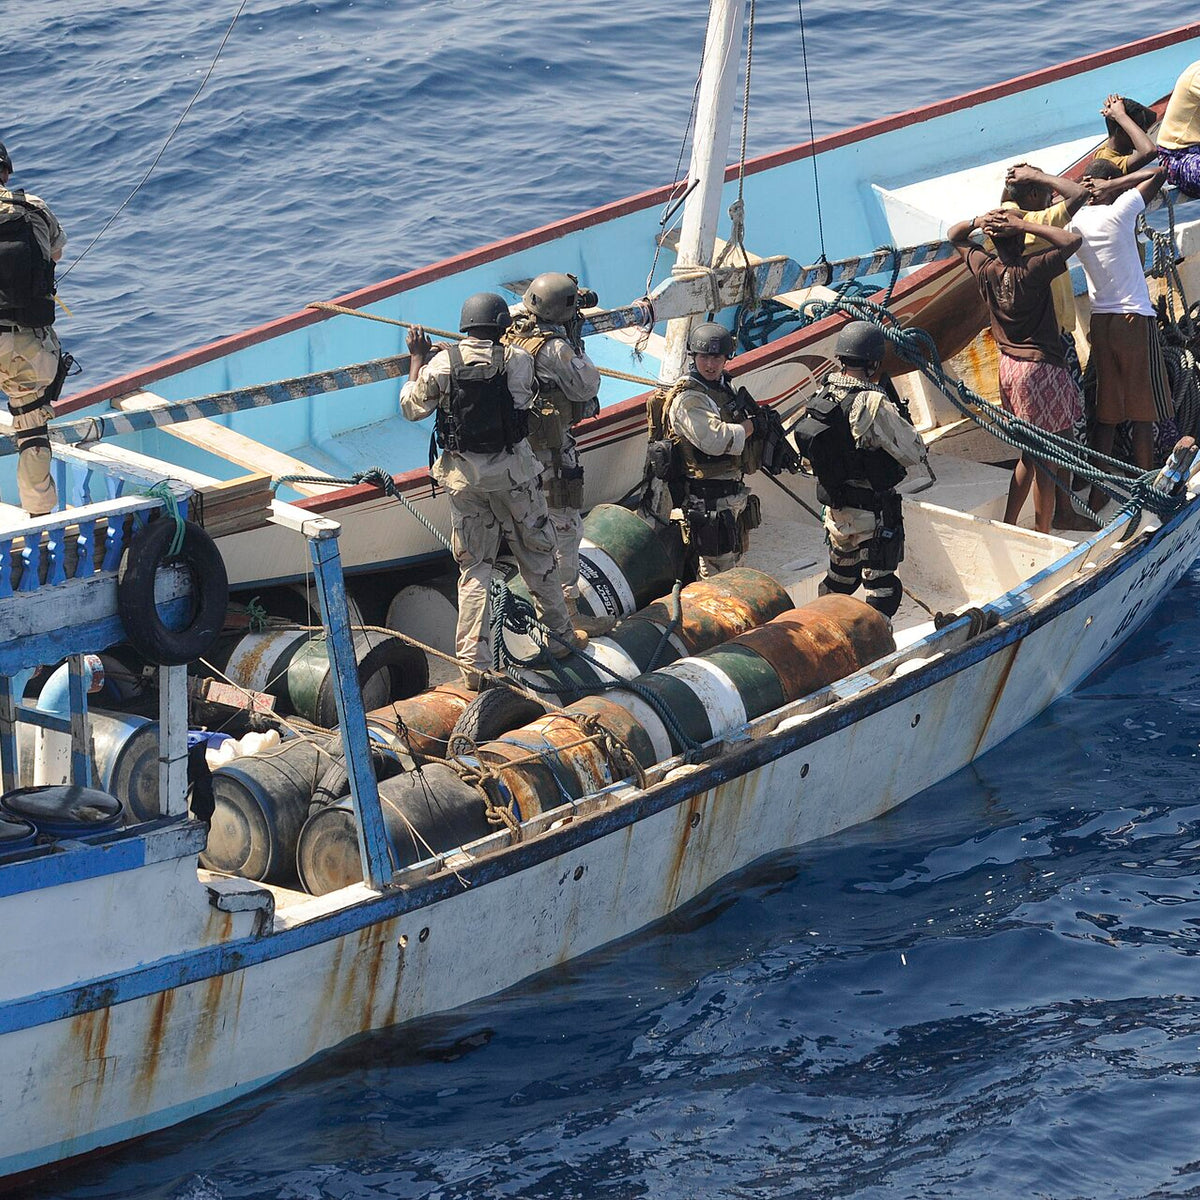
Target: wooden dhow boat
<point x="142" y="989"/>
<point x="314" y="394"/>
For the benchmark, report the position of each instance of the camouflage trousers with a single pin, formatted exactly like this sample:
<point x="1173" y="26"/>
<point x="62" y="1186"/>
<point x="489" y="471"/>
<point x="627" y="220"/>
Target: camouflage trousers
<point x="28" y="364"/>
<point x="567" y="524"/>
<point x="478" y="520"/>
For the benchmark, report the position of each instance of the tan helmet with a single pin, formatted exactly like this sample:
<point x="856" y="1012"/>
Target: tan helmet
<point x="552" y="296"/>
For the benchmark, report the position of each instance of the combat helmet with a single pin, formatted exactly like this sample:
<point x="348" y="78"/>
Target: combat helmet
<point x="552" y="296"/>
<point x="484" y="310"/>
<point x="710" y="338"/>
<point x="860" y="343"/>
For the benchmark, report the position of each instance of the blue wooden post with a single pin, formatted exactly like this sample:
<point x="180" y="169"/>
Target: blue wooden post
<point x="81" y="762"/>
<point x="364" y="793"/>
<point x="8" y="735"/>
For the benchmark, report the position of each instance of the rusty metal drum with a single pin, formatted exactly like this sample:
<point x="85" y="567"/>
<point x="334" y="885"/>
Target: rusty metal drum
<point x="717" y="609"/>
<point x="866" y="629"/>
<point x="622" y="724"/>
<point x="545" y="764"/>
<point x="421" y="725"/>
<point x="426" y="812"/>
<point x="259" y="661"/>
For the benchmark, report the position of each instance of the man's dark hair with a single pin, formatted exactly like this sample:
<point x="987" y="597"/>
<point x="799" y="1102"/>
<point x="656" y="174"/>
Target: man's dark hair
<point x="1142" y="117"/>
<point x="1101" y="168"/>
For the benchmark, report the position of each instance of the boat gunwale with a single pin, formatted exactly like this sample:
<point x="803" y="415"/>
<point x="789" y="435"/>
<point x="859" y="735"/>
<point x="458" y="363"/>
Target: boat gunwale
<point x="478" y="256"/>
<point x="741" y="758"/>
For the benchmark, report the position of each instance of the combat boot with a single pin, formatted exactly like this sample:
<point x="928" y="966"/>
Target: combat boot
<point x="592" y="626"/>
<point x="561" y="647"/>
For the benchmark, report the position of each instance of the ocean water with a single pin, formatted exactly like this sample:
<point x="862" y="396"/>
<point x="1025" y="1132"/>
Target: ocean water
<point x="992" y="992"/>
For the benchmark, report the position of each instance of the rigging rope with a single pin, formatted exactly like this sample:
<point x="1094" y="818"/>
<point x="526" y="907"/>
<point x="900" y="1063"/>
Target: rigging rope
<point x="675" y="203"/>
<point x="915" y="346"/>
<point x="211" y="67"/>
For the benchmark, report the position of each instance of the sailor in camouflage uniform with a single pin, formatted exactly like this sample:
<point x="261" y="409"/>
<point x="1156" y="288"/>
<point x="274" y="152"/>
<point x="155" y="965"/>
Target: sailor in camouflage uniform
<point x="565" y="385"/>
<point x="480" y="391"/>
<point x="713" y="428"/>
<point x="860" y="445"/>
<point x="31" y="361"/>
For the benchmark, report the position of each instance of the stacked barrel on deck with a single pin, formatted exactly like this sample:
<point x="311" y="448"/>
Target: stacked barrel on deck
<point x="683" y="669"/>
<point x="791" y="653"/>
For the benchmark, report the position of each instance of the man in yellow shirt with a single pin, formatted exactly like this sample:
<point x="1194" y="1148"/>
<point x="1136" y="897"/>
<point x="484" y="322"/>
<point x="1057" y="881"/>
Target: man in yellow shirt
<point x="1179" y="134"/>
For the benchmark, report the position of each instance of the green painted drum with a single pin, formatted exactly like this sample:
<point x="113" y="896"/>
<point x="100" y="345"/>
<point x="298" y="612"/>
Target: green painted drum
<point x="388" y="669"/>
<point x="623" y="563"/>
<point x="679" y="698"/>
<point x="626" y="652"/>
<point x="753" y="677"/>
<point x="425" y="812"/>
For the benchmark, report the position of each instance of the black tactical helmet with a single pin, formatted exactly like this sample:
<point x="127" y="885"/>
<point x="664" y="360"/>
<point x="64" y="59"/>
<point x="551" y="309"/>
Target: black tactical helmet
<point x="5" y="161"/>
<point x="484" y="310"/>
<point x="710" y="338"/>
<point x="552" y="296"/>
<point x="860" y="343"/>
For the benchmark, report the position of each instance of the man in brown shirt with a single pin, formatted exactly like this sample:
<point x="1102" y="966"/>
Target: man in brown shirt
<point x="1035" y="384"/>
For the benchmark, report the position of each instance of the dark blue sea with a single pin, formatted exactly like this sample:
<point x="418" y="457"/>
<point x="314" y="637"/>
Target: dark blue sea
<point x="992" y="992"/>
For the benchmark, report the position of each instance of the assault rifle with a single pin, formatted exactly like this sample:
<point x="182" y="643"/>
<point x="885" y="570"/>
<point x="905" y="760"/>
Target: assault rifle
<point x="778" y="454"/>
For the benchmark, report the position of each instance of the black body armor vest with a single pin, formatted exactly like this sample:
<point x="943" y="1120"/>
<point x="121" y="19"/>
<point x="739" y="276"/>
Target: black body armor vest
<point x="26" y="272"/>
<point x="479" y="415"/>
<point x="847" y="477"/>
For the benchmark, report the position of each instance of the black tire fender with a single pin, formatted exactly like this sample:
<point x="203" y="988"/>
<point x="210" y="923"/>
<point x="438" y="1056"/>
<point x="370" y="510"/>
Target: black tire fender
<point x="406" y="665"/>
<point x="495" y="712"/>
<point x="144" y="627"/>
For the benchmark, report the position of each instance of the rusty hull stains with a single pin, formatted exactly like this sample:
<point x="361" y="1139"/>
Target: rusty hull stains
<point x="994" y="703"/>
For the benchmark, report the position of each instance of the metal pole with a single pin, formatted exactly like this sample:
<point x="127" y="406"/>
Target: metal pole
<point x="710" y="147"/>
<point x="322" y="535"/>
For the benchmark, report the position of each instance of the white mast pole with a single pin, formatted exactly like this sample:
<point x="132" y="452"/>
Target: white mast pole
<point x="710" y="146"/>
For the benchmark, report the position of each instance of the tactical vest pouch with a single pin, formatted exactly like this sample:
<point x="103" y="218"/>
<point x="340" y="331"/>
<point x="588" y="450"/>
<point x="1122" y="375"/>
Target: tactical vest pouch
<point x="711" y="533"/>
<point x="565" y="489"/>
<point x="479" y="414"/>
<point x="26" y="273"/>
<point x="751" y="517"/>
<point x="581" y="410"/>
<point x="885" y="551"/>
<point x="547" y="425"/>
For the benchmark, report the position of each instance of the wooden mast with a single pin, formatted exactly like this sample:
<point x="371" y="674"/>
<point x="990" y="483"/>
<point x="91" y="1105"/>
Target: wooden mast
<point x="710" y="146"/>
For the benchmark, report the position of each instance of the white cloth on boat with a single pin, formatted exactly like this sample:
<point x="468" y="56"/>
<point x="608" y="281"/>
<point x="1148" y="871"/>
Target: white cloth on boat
<point x="1111" y="259"/>
<point x="421" y="396"/>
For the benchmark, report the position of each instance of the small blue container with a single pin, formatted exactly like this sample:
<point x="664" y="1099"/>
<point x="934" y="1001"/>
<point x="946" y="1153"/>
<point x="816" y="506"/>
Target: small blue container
<point x="16" y="834"/>
<point x="61" y="810"/>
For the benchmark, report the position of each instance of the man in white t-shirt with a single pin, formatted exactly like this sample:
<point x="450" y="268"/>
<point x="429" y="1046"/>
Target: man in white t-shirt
<point x="1130" y="372"/>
